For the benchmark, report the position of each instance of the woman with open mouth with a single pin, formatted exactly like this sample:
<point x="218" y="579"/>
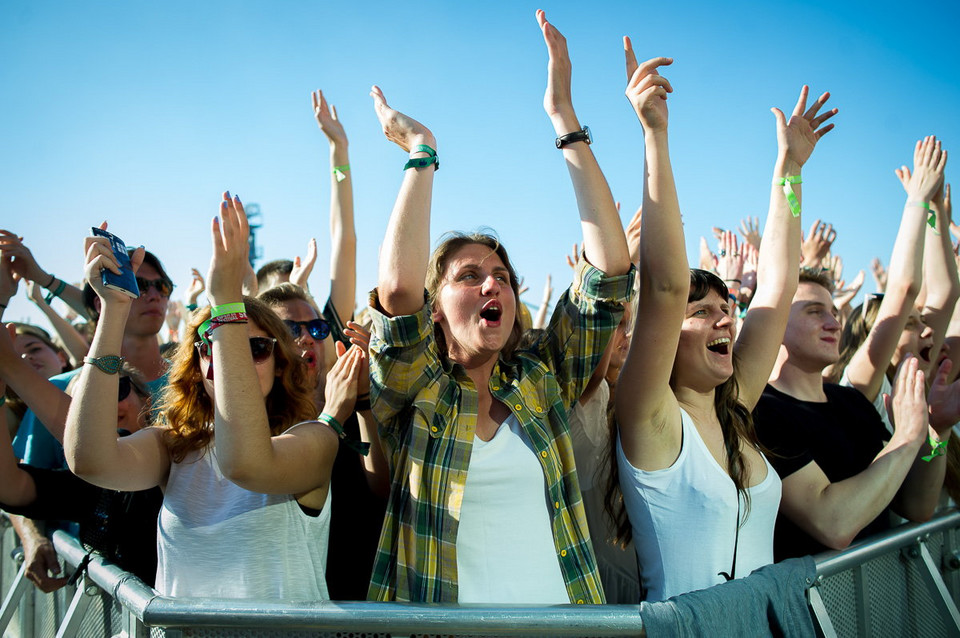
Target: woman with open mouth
<point x="485" y="505"/>
<point x="701" y="497"/>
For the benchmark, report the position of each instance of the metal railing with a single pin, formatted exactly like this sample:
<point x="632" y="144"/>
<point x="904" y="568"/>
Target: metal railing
<point x="903" y="583"/>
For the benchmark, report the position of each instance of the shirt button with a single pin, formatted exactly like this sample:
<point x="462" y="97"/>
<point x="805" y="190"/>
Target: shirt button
<point x="496" y="387"/>
<point x="556" y="504"/>
<point x="563" y="552"/>
<point x="518" y="407"/>
<point x="433" y="428"/>
<point x="544" y="454"/>
<point x="580" y="601"/>
<point x="539" y="409"/>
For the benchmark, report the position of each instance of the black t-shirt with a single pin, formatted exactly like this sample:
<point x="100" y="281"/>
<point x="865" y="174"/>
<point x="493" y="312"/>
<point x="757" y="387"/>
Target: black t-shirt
<point x="121" y="526"/>
<point x="842" y="436"/>
<point x="357" y="513"/>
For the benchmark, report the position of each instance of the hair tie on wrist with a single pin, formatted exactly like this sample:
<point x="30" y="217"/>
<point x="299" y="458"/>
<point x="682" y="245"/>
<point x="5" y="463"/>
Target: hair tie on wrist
<point x="937" y="448"/>
<point x="423" y="162"/>
<point x="54" y="293"/>
<point x="357" y="446"/>
<point x="787" y="183"/>
<point x="341" y="172"/>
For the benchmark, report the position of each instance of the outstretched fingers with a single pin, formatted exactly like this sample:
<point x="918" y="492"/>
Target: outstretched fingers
<point x="801" y="102"/>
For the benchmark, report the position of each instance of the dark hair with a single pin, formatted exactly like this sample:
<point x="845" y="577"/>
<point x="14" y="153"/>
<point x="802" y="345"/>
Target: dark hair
<point x="452" y="242"/>
<point x="736" y="423"/>
<point x="817" y="276"/>
<point x="275" y="267"/>
<point x="187" y="411"/>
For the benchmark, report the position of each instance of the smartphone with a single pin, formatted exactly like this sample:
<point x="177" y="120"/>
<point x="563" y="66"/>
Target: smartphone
<point x="126" y="281"/>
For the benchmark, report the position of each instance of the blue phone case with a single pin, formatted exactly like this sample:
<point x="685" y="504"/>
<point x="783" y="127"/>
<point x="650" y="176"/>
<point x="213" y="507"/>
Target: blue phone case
<point x="126" y="281"/>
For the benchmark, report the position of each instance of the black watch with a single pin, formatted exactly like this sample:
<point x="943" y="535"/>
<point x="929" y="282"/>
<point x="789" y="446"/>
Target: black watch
<point x="583" y="135"/>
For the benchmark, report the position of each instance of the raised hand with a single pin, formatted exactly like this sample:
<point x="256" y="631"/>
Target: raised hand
<point x="557" y="98"/>
<point x="360" y="337"/>
<point x="9" y="280"/>
<point x="843" y="296"/>
<point x="708" y="261"/>
<point x="229" y="265"/>
<point x="23" y="262"/>
<point x="400" y="129"/>
<point x="196" y="287"/>
<point x="816" y="244"/>
<point x="907" y="406"/>
<point x="302" y="268"/>
<point x="647" y="89"/>
<point x="340" y="391"/>
<point x="879" y="274"/>
<point x="924" y="182"/>
<point x="730" y="261"/>
<point x="99" y="256"/>
<point x="797" y="137"/>
<point x="36" y="293"/>
<point x="326" y="117"/>
<point x="750" y="230"/>
<point x="574" y="256"/>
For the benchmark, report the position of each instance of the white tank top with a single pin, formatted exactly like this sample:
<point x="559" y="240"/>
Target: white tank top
<point x="505" y="546"/>
<point x="684" y="519"/>
<point x="216" y="539"/>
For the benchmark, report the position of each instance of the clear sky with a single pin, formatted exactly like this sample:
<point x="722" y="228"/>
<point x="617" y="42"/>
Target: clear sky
<point x="141" y="113"/>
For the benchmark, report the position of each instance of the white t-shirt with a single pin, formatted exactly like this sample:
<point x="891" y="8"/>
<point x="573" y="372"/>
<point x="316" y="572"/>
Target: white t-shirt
<point x="684" y="519"/>
<point x="505" y="546"/>
<point x="218" y="540"/>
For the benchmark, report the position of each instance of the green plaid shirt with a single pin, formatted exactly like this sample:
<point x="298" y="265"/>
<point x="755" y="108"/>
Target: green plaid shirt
<point x="426" y="408"/>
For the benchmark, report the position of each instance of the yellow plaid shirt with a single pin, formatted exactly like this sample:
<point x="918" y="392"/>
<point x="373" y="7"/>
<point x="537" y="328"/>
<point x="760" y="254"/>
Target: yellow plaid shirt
<point x="426" y="408"/>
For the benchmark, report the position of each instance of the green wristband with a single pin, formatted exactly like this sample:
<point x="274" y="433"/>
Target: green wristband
<point x="787" y="183"/>
<point x="356" y="446"/>
<point x="227" y="309"/>
<point x="937" y="448"/>
<point x="423" y="162"/>
<point x="341" y="172"/>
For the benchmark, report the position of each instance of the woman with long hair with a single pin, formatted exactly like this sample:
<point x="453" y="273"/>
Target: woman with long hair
<point x="701" y="497"/>
<point x="238" y="459"/>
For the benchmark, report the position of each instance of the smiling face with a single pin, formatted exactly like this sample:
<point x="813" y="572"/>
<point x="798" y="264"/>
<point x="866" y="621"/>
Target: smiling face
<point x="705" y="350"/>
<point x="38" y="354"/>
<point x="475" y="305"/>
<point x="812" y="339"/>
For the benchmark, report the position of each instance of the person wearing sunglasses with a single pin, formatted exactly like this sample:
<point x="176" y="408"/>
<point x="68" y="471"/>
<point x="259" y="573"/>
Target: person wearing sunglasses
<point x="121" y="526"/>
<point x="235" y="450"/>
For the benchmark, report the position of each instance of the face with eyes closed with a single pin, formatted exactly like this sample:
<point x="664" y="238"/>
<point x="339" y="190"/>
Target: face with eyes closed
<point x="812" y="338"/>
<point x="475" y="306"/>
<point x="705" y="350"/>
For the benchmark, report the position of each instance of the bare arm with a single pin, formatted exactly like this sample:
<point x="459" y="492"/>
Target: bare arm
<point x="870" y="362"/>
<point x="16" y="486"/>
<point x="939" y="274"/>
<point x="94" y="451"/>
<point x="343" y="236"/>
<point x="647" y="412"/>
<point x="604" y="243"/>
<point x="540" y="321"/>
<point x="26" y="266"/>
<point x="39" y="555"/>
<point x="72" y="340"/>
<point x="777" y="269"/>
<point x="406" y="247"/>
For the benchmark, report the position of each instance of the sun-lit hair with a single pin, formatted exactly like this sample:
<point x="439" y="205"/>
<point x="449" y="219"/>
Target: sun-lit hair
<point x="437" y="269"/>
<point x="286" y="292"/>
<point x="187" y="411"/>
<point x="854" y="334"/>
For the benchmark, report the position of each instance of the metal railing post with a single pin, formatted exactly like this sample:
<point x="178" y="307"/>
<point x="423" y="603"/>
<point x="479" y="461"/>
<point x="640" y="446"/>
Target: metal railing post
<point x="78" y="608"/>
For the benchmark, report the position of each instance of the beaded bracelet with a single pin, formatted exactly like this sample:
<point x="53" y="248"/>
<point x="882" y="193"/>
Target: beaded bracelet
<point x="109" y="364"/>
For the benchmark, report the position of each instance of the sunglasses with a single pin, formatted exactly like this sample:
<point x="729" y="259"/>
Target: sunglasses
<point x="163" y="286"/>
<point x="317" y="328"/>
<point x="126" y="385"/>
<point x="260" y="347"/>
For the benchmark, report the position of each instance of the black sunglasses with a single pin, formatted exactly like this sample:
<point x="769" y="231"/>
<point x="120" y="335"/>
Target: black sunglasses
<point x="164" y="287"/>
<point x="319" y="329"/>
<point x="260" y="347"/>
<point x="126" y="385"/>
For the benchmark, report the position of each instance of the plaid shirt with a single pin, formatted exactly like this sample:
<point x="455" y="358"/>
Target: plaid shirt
<point x="426" y="408"/>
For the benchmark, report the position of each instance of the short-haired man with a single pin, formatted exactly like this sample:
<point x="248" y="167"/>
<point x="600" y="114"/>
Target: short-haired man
<point x="829" y="445"/>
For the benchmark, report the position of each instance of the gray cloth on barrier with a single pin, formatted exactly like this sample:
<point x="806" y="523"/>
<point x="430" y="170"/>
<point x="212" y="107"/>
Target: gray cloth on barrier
<point x="771" y="601"/>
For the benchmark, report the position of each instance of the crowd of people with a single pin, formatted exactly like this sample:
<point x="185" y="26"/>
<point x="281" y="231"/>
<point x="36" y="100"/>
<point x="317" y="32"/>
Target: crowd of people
<point x="660" y="430"/>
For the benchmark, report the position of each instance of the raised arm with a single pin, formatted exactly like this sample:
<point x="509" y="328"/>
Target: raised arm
<point x="604" y="243"/>
<point x="26" y="266"/>
<point x="939" y="274"/>
<point x="646" y="409"/>
<point x="870" y="362"/>
<point x="48" y="402"/>
<point x="300" y="460"/>
<point x="779" y="261"/>
<point x="16" y="486"/>
<point x="343" y="236"/>
<point x="406" y="248"/>
<point x="94" y="451"/>
<point x="73" y="341"/>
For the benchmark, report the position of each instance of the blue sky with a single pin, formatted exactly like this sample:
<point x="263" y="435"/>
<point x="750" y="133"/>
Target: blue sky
<point x="142" y="113"/>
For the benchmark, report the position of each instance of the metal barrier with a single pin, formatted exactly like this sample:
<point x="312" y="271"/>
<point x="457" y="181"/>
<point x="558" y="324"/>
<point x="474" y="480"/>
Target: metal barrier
<point x="904" y="583"/>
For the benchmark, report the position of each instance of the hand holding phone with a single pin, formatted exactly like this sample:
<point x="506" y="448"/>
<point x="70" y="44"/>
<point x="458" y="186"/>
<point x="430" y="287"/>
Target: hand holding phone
<point x="126" y="281"/>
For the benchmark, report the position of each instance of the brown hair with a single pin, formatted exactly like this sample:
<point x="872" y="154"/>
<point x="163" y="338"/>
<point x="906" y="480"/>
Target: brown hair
<point x="437" y="269"/>
<point x="187" y="411"/>
<point x="854" y="333"/>
<point x="735" y="419"/>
